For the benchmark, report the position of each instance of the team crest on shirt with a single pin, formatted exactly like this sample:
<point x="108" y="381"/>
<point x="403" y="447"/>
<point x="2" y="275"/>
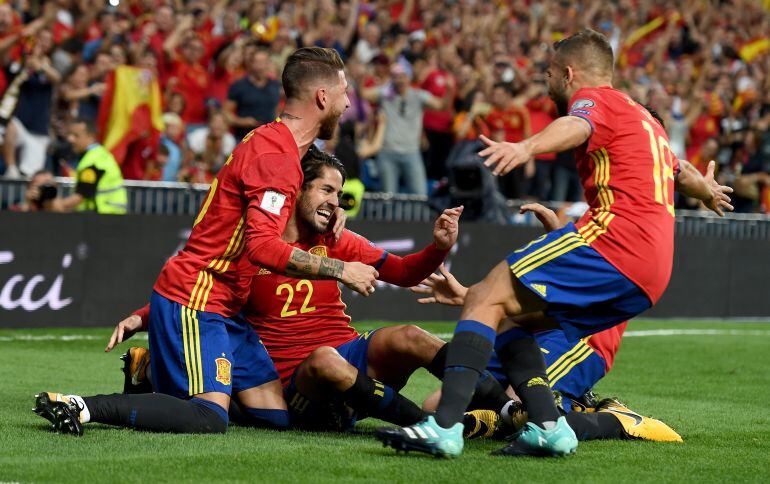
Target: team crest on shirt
<point x="582" y="104"/>
<point x="319" y="250"/>
<point x="223" y="371"/>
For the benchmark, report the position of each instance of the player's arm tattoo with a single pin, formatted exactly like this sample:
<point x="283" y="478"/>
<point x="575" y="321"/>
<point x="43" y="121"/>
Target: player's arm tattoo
<point x="310" y="266"/>
<point x="331" y="268"/>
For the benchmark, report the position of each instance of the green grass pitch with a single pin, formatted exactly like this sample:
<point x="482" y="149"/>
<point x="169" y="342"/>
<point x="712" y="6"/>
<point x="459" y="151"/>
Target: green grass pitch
<point x="712" y="385"/>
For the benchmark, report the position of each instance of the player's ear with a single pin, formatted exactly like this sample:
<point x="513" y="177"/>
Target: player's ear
<point x="321" y="98"/>
<point x="569" y="75"/>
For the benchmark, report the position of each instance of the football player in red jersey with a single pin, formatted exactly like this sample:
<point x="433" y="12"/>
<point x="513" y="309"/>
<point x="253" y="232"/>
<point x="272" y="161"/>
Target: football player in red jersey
<point x="574" y="367"/>
<point x="201" y="354"/>
<point x="582" y="278"/>
<point x="333" y="374"/>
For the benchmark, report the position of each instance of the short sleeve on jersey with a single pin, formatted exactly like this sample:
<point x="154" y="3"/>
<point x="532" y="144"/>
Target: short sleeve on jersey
<point x="590" y="105"/>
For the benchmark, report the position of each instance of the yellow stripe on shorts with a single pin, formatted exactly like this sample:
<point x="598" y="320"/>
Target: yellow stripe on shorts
<point x="537" y="253"/>
<point x="576" y="360"/>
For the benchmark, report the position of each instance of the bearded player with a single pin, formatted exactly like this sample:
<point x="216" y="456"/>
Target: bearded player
<point x="195" y="341"/>
<point x="332" y="374"/>
<point x="583" y="278"/>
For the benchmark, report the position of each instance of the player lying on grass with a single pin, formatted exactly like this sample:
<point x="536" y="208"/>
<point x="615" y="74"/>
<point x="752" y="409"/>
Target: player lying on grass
<point x="583" y="278"/>
<point x="331" y="373"/>
<point x="574" y="367"/>
<point x="202" y="355"/>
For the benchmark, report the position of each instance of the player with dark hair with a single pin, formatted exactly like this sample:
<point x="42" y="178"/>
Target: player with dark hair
<point x="329" y="369"/>
<point x="583" y="278"/>
<point x="201" y="355"/>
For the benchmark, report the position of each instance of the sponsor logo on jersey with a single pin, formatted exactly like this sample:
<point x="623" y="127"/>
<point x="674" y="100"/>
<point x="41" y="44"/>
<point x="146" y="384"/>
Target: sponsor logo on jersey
<point x="273" y="202"/>
<point x="263" y="272"/>
<point x="223" y="371"/>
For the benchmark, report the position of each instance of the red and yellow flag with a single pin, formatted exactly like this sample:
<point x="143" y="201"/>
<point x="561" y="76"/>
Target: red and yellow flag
<point x="754" y="48"/>
<point x="130" y="110"/>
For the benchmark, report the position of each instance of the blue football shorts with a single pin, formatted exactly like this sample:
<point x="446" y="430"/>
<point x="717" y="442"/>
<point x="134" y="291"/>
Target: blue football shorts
<point x="199" y="352"/>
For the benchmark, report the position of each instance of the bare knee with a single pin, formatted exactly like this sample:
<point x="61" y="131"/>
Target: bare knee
<point x="413" y="340"/>
<point x="326" y="364"/>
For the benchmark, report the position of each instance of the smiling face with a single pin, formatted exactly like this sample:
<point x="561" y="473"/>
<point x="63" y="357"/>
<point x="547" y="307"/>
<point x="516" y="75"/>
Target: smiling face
<point x="319" y="198"/>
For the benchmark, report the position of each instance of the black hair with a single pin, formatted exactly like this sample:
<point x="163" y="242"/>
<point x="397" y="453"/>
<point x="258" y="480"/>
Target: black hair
<point x="506" y="86"/>
<point x="89" y="124"/>
<point x="313" y="163"/>
<point x="655" y="115"/>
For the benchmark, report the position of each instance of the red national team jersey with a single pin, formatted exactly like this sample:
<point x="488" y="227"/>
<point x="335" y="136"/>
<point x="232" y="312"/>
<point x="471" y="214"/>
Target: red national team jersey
<point x="239" y="225"/>
<point x="293" y="317"/>
<point x="607" y="343"/>
<point x="627" y="171"/>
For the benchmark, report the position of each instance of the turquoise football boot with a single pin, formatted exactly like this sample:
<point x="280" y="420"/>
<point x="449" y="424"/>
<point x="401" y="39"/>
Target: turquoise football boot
<point x="426" y="436"/>
<point x="536" y="441"/>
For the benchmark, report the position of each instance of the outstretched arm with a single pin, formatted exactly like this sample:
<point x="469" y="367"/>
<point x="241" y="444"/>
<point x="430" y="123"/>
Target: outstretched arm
<point x="562" y="134"/>
<point x="691" y="183"/>
<point x="410" y="270"/>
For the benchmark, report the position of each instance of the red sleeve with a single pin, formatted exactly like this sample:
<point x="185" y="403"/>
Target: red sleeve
<point x="412" y="269"/>
<point x="402" y="271"/>
<point x="144" y="315"/>
<point x="588" y="104"/>
<point x="270" y="184"/>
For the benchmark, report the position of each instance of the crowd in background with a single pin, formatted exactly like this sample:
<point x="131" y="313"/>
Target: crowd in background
<point x="427" y="77"/>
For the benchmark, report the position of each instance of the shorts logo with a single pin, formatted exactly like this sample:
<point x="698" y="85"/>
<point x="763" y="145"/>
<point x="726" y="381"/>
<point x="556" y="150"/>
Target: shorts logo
<point x="223" y="371"/>
<point x="540" y="288"/>
<point x="582" y="104"/>
<point x="273" y="202"/>
<point x="537" y="381"/>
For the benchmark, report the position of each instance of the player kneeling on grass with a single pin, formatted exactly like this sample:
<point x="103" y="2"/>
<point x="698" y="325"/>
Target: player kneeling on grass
<point x="333" y="375"/>
<point x="203" y="354"/>
<point x="573" y="368"/>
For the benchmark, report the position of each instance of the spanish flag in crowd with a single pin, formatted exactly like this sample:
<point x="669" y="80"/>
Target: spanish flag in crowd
<point x="130" y="115"/>
<point x="631" y="49"/>
<point x="754" y="48"/>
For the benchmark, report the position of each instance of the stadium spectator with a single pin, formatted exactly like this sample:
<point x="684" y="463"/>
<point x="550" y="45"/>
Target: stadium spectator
<point x="400" y="156"/>
<point x="99" y="182"/>
<point x="253" y="99"/>
<point x="704" y="67"/>
<point x="510" y="122"/>
<point x="187" y="74"/>
<point x="32" y="118"/>
<point x="41" y="191"/>
<point x="173" y="140"/>
<point x="213" y="144"/>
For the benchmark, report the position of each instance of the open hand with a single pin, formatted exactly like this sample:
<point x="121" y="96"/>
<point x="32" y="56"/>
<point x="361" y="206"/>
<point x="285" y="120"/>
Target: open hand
<point x="503" y="156"/>
<point x="123" y="331"/>
<point x="441" y="289"/>
<point x="546" y="216"/>
<point x="719" y="201"/>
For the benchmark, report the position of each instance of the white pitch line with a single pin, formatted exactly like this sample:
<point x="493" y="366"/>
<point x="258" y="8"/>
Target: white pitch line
<point x="63" y="337"/>
<point x="676" y="332"/>
<point x="628" y="334"/>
